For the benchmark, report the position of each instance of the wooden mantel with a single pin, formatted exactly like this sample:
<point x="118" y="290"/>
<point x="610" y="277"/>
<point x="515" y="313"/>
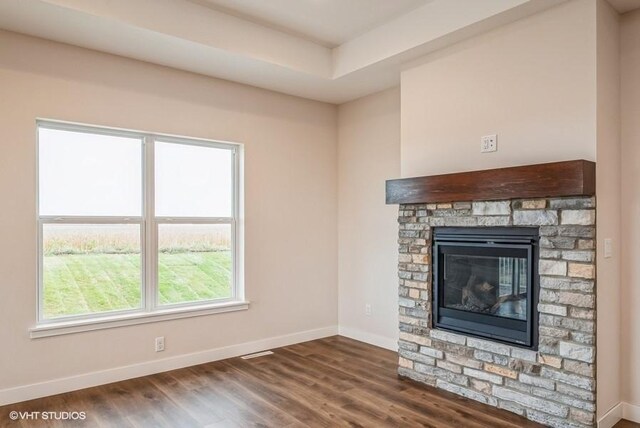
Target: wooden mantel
<point x="558" y="179"/>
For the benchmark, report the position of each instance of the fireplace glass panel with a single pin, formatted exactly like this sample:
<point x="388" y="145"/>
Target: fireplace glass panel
<point x="490" y="285"/>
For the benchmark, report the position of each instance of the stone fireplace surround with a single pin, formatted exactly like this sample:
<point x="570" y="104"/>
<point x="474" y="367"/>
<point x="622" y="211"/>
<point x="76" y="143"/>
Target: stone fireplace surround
<point x="555" y="385"/>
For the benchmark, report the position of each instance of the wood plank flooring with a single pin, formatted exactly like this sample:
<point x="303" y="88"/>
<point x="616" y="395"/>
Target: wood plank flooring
<point x="626" y="424"/>
<point x="331" y="382"/>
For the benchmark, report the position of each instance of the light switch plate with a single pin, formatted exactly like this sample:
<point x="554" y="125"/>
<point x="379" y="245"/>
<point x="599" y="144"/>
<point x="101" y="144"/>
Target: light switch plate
<point x="608" y="248"/>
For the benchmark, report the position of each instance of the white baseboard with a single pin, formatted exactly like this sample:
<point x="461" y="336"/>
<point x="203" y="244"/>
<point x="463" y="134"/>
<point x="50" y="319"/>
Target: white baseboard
<point x="628" y="411"/>
<point x="631" y="412"/>
<point x="372" y="339"/>
<point x="611" y="417"/>
<point x="87" y="380"/>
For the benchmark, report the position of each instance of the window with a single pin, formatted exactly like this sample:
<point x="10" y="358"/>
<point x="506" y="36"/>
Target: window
<point x="134" y="224"/>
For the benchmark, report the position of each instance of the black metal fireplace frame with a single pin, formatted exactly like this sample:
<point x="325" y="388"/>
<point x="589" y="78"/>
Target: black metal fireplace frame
<point x="492" y="241"/>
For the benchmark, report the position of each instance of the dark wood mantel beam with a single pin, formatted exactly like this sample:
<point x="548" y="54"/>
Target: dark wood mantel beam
<point x="557" y="179"/>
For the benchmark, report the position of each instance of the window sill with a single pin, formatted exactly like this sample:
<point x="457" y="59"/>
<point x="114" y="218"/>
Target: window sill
<point x="71" y="327"/>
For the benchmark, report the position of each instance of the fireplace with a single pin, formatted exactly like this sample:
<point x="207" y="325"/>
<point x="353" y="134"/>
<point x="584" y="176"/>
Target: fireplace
<point x="497" y="287"/>
<point x="486" y="282"/>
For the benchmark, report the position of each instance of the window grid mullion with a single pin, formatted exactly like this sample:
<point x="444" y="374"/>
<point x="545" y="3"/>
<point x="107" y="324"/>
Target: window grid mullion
<point x="194" y="220"/>
<point x="90" y="220"/>
<point x="151" y="230"/>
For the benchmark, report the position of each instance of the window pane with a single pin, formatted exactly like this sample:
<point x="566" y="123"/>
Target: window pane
<point x="194" y="262"/>
<point x="90" y="268"/>
<point x="192" y="181"/>
<point x="89" y="174"/>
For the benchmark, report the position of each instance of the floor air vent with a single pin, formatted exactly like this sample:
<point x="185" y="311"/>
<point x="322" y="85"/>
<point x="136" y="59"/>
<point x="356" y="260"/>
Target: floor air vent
<point x="256" y="355"/>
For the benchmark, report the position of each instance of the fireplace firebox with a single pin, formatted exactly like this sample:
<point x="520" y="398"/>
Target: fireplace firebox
<point x="486" y="282"/>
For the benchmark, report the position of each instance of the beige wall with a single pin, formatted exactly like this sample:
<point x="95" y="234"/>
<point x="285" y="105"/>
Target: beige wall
<point x="291" y="200"/>
<point x="531" y="82"/>
<point x="630" y="60"/>
<point x="369" y="154"/>
<point x="608" y="209"/>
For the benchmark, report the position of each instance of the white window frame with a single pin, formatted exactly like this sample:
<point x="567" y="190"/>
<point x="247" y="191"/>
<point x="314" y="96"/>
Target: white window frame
<point x="150" y="310"/>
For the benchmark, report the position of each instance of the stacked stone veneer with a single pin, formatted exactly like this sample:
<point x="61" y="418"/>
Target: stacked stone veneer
<point x="556" y="385"/>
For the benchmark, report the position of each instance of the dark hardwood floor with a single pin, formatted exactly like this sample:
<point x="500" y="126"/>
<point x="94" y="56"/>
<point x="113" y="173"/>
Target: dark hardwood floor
<point x="325" y="383"/>
<point x="626" y="424"/>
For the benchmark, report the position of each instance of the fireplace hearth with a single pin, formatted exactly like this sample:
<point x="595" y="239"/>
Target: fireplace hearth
<point x="486" y="284"/>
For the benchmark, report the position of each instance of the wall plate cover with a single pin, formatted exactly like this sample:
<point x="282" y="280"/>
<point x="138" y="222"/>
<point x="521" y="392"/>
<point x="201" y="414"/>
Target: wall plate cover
<point x="608" y="248"/>
<point x="489" y="143"/>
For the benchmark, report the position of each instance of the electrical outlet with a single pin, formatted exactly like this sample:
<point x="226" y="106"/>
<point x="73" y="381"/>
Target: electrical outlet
<point x="367" y="309"/>
<point x="489" y="143"/>
<point x="608" y="248"/>
<point x="160" y="344"/>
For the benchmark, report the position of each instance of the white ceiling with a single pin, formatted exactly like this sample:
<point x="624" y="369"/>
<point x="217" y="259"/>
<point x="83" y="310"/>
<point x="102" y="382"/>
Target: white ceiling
<point x="186" y="35"/>
<point x="328" y="22"/>
<point x="624" y="6"/>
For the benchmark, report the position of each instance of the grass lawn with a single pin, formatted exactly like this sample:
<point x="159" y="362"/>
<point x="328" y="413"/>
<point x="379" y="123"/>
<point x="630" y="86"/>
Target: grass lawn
<point x="88" y="283"/>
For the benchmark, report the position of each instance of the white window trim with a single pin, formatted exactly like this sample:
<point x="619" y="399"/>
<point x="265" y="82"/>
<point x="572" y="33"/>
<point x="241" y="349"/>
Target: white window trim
<point x="150" y="310"/>
<point x="123" y="320"/>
